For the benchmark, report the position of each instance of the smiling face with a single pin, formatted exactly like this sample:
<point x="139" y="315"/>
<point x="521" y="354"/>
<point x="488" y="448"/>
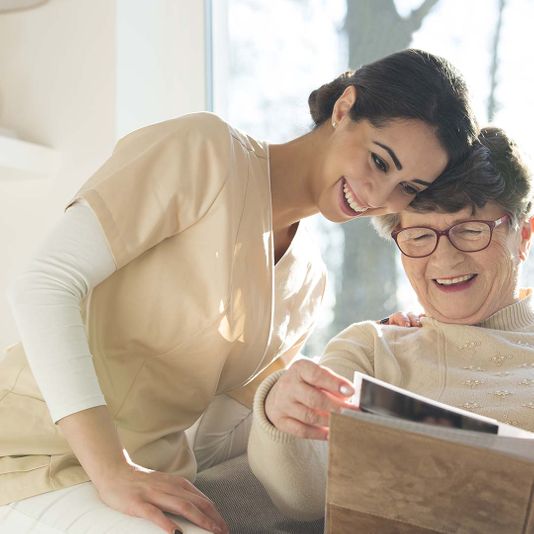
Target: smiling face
<point x="373" y="171"/>
<point x="466" y="287"/>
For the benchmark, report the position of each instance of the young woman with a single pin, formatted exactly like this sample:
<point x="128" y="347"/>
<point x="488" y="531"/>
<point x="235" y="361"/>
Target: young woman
<point x="181" y="270"/>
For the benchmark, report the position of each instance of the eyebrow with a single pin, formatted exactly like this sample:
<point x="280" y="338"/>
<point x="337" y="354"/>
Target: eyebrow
<point x="391" y="154"/>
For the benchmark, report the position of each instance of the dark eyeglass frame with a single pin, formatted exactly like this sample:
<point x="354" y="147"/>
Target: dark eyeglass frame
<point x="491" y="224"/>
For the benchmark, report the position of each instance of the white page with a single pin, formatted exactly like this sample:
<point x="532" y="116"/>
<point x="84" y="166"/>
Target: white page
<point x="399" y="394"/>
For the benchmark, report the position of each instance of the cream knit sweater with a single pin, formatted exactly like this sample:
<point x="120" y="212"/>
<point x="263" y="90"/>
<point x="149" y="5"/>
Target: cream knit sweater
<point x="487" y="369"/>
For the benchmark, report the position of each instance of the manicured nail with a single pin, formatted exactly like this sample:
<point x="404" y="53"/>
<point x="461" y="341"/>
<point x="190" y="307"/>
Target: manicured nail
<point x="346" y="390"/>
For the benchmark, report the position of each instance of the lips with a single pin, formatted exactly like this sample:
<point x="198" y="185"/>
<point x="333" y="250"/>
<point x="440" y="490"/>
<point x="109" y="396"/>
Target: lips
<point x="455" y="283"/>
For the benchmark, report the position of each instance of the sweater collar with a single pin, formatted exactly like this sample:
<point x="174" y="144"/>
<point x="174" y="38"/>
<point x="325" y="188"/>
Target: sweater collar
<point x="517" y="316"/>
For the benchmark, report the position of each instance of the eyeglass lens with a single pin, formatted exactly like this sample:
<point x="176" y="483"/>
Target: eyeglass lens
<point x="468" y="236"/>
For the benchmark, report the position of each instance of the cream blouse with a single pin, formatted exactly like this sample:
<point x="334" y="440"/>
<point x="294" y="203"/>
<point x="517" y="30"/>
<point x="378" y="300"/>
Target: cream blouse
<point x="195" y="308"/>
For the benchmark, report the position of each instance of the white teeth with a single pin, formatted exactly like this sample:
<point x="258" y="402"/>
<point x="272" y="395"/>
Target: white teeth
<point x="351" y="201"/>
<point x="456" y="280"/>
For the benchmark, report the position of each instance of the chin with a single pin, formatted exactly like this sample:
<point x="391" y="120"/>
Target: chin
<point x="454" y="318"/>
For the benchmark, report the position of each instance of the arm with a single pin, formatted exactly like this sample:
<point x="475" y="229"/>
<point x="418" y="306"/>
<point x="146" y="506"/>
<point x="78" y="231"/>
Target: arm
<point x="289" y="406"/>
<point x="46" y="301"/>
<point x="132" y="489"/>
<point x="292" y="470"/>
<point x="296" y="404"/>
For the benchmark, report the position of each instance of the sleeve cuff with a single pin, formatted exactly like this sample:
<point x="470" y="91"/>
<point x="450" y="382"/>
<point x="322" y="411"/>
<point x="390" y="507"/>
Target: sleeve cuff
<point x="261" y="420"/>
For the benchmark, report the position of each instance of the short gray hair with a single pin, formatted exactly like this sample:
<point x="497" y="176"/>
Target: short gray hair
<point x="493" y="171"/>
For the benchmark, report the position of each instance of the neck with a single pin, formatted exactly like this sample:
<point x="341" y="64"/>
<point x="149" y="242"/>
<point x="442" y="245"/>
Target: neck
<point x="294" y="166"/>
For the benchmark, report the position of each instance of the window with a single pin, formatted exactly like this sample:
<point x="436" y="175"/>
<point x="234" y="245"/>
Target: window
<point x="268" y="57"/>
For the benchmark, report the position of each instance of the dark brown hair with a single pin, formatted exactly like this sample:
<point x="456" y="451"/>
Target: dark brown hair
<point x="411" y="84"/>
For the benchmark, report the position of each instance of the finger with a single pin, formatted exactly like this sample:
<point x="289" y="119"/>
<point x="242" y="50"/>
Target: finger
<point x="314" y="398"/>
<point x="399" y="319"/>
<point x="309" y="417"/>
<point x="317" y="418"/>
<point x="185" y="490"/>
<point x="200" y="500"/>
<point x="414" y="319"/>
<point x="187" y="507"/>
<point x="189" y="486"/>
<point x="152" y="513"/>
<point x="181" y="488"/>
<point x="323" y="378"/>
<point x="301" y="430"/>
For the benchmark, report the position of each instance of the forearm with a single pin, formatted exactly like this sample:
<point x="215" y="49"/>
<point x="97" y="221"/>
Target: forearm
<point x="94" y="440"/>
<point x="45" y="300"/>
<point x="292" y="470"/>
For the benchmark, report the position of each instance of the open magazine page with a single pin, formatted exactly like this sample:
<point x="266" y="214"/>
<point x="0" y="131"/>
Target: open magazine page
<point x="401" y="408"/>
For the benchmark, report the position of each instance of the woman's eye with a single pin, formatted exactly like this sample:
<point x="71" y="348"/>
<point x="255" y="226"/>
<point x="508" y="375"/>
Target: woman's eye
<point x="409" y="189"/>
<point x="380" y="164"/>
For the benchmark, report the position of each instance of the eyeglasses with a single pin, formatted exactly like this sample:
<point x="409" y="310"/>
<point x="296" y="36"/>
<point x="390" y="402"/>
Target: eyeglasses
<point x="468" y="236"/>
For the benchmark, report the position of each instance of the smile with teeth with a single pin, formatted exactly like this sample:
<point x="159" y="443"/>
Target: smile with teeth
<point x="350" y="199"/>
<point x="455" y="280"/>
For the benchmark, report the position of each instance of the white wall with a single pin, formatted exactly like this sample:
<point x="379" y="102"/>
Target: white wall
<point x="75" y="75"/>
<point x="160" y="61"/>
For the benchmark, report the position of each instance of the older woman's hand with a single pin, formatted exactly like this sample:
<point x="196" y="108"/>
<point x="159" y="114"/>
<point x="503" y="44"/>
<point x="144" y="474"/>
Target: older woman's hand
<point x="301" y="400"/>
<point x="402" y="319"/>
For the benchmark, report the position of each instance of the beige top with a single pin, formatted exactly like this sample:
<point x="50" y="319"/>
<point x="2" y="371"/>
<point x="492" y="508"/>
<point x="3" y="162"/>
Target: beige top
<point x="487" y="369"/>
<point x="196" y="307"/>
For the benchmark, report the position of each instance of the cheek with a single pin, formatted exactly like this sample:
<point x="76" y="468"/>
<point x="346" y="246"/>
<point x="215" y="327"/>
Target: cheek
<point x="398" y="201"/>
<point x="500" y="263"/>
<point x="415" y="271"/>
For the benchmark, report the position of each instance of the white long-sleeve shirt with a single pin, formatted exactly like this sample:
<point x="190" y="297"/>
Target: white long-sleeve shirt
<point x="46" y="302"/>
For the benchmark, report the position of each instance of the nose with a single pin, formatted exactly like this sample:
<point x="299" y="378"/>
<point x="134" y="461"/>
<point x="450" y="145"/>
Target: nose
<point x="446" y="253"/>
<point x="386" y="194"/>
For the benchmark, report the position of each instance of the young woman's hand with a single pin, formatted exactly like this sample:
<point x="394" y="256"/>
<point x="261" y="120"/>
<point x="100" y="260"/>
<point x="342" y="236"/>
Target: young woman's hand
<point x="147" y="494"/>
<point x="303" y="397"/>
<point x="407" y="319"/>
<point x="131" y="489"/>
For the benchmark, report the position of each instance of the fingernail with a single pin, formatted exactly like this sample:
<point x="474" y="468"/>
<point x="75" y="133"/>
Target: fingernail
<point x="346" y="390"/>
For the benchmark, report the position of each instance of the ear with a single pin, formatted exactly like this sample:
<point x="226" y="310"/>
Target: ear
<point x="343" y="105"/>
<point x="526" y="236"/>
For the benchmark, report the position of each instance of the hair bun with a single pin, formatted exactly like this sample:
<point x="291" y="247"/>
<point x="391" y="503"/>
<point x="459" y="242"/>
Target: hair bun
<point x="321" y="101"/>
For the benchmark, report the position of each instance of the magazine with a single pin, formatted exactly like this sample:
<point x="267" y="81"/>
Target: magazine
<point x="404" y="463"/>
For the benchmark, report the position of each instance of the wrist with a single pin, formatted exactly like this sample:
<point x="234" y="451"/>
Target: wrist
<point x="112" y="469"/>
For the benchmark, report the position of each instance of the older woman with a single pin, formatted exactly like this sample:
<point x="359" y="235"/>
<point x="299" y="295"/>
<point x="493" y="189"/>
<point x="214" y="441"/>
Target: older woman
<point x="461" y="250"/>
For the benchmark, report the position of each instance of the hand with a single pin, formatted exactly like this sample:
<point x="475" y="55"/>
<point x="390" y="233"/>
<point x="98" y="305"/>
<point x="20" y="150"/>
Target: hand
<point x="402" y="319"/>
<point x="143" y="493"/>
<point x="128" y="488"/>
<point x="302" y="398"/>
